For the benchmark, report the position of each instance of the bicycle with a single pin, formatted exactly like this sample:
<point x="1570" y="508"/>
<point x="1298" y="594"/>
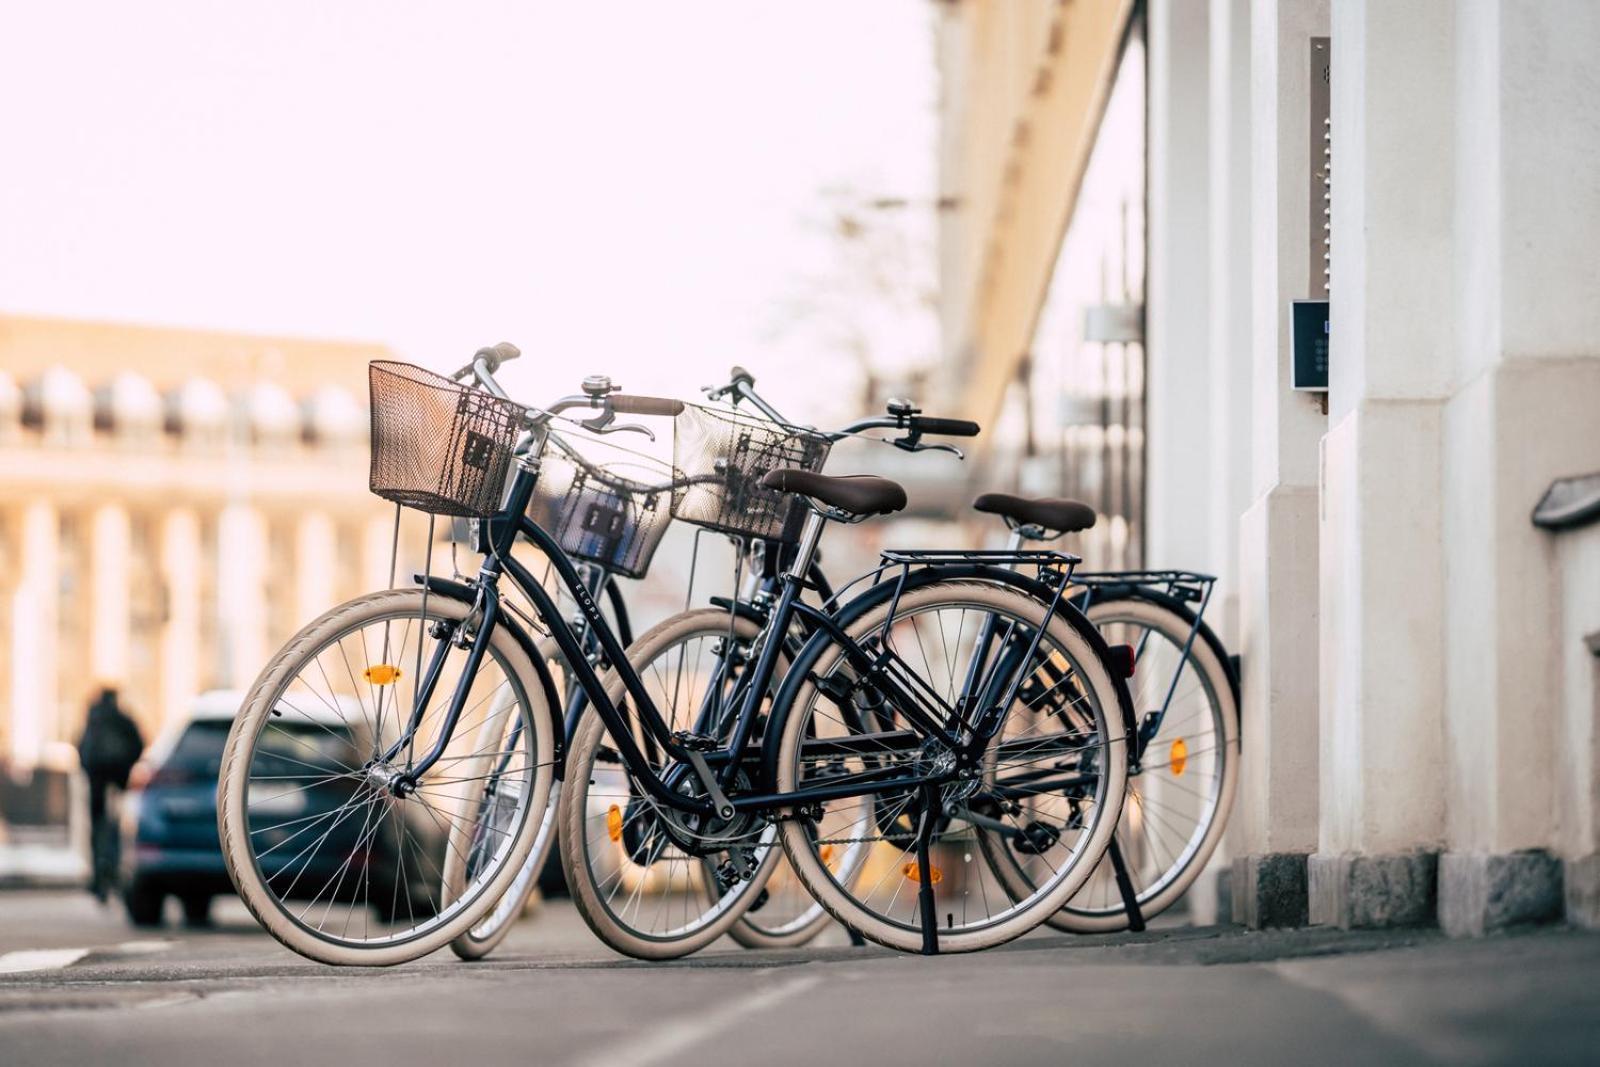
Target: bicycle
<point x="705" y="791"/>
<point x="1166" y="839"/>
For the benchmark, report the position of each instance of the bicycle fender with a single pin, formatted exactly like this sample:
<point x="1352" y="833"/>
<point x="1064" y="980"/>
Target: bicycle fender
<point x="1230" y="662"/>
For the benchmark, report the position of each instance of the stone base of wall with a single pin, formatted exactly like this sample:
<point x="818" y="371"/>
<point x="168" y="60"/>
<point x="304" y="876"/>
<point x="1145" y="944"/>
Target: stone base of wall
<point x="1353" y="891"/>
<point x="1224" y="877"/>
<point x="1582" y="878"/>
<point x="1481" y="892"/>
<point x="1269" y="889"/>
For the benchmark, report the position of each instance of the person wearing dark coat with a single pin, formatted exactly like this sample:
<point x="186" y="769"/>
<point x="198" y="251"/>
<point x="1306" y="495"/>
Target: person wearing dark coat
<point x="111" y="744"/>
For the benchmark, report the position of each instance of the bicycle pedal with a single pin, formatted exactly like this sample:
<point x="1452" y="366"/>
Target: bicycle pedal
<point x="1036" y="838"/>
<point x="695" y="742"/>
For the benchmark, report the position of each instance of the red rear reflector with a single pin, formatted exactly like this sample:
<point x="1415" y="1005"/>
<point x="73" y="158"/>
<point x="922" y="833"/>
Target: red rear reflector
<point x="1122" y="657"/>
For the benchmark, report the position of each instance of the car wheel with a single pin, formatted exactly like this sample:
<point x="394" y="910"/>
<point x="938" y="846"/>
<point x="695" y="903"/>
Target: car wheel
<point x="196" y="909"/>
<point x="394" y="906"/>
<point x="143" y="902"/>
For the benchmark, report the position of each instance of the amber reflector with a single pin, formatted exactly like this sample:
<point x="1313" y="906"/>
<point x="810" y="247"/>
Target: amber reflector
<point x="382" y="674"/>
<point x="614" y="822"/>
<point x="1180" y="756"/>
<point x="935" y="875"/>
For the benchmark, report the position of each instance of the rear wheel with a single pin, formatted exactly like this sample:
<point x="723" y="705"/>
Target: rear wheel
<point x="485" y="935"/>
<point x="1180" y="796"/>
<point x="960" y="646"/>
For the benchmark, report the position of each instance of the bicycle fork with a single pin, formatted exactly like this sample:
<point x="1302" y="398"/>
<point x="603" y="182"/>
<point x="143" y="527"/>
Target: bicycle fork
<point x="487" y="611"/>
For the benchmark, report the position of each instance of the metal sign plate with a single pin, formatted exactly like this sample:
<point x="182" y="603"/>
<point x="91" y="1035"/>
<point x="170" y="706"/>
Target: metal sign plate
<point x="1309" y="324"/>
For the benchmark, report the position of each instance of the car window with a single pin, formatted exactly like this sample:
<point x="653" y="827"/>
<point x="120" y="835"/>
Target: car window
<point x="307" y="742"/>
<point x="199" y="747"/>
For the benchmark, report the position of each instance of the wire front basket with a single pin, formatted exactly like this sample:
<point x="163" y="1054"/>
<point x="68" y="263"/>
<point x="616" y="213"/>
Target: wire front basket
<point x="721" y="457"/>
<point x="602" y="503"/>
<point x="438" y="446"/>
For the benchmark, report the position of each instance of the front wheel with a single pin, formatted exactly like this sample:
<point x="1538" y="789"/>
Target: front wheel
<point x="335" y="847"/>
<point x="650" y="883"/>
<point x="963" y="650"/>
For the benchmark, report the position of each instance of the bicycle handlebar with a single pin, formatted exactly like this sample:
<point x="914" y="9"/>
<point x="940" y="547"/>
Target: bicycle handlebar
<point x="624" y="404"/>
<point x="944" y="427"/>
<point x="504" y="352"/>
<point x="902" y="416"/>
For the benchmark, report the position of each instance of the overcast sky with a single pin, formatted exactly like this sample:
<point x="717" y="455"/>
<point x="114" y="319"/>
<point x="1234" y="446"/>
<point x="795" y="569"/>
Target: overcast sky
<point x="613" y="186"/>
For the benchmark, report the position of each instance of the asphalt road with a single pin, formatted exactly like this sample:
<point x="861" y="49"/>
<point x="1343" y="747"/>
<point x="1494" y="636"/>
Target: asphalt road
<point x="78" y="986"/>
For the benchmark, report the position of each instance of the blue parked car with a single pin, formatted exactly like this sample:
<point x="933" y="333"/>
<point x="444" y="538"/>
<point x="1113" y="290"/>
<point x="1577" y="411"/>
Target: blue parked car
<point x="170" y="845"/>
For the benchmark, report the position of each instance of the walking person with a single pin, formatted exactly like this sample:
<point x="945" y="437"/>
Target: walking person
<point x="111" y="744"/>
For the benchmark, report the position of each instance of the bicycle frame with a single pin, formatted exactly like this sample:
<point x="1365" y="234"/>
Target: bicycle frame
<point x="499" y="535"/>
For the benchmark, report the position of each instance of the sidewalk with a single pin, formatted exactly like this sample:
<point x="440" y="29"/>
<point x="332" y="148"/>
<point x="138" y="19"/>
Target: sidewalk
<point x="552" y="993"/>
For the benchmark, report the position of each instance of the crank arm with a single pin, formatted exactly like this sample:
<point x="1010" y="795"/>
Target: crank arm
<point x="718" y="799"/>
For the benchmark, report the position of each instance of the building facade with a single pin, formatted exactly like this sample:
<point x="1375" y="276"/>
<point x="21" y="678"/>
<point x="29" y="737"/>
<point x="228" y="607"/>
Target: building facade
<point x="1421" y="718"/>
<point x="173" y="505"/>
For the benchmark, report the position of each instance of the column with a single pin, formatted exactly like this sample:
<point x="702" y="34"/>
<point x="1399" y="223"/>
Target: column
<point x="1276" y="812"/>
<point x="35" y="711"/>
<point x="1230" y="324"/>
<point x="1178" y="420"/>
<point x="1522" y="413"/>
<point x="1228" y="343"/>
<point x="110" y="536"/>
<point x="316" y="549"/>
<point x="179" y="647"/>
<point x="241" y="592"/>
<point x="1382" y="580"/>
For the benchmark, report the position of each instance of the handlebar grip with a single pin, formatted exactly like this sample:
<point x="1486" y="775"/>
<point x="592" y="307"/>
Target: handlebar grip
<point x="739" y="374"/>
<point x="623" y="404"/>
<point x="495" y="355"/>
<point x="944" y="427"/>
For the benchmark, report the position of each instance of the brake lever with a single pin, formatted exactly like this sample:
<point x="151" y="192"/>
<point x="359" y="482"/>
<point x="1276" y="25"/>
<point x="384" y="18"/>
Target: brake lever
<point x="913" y="443"/>
<point x="941" y="447"/>
<point x="626" y="427"/>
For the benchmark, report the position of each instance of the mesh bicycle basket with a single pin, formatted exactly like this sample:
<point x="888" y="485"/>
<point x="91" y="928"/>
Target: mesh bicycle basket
<point x="722" y="455"/>
<point x="438" y="446"/>
<point x="601" y="503"/>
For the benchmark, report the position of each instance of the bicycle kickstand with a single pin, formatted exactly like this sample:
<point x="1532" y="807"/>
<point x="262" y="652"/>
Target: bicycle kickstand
<point x="1130" y="899"/>
<point x="930" y="916"/>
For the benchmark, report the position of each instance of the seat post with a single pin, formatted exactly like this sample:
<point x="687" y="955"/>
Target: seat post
<point x="810" y="534"/>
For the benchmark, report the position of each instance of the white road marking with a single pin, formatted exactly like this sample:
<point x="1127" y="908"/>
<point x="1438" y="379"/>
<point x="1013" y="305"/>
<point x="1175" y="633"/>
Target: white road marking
<point x="662" y="1042"/>
<point x="141" y="948"/>
<point x="52" y="959"/>
<point x="40" y="959"/>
